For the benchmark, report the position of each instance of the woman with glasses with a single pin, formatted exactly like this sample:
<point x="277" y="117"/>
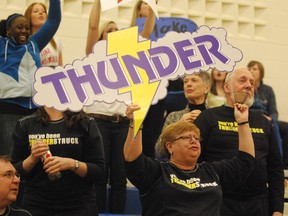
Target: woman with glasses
<point x="181" y="186"/>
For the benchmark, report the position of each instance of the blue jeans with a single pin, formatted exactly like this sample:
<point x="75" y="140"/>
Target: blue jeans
<point x="8" y="122"/>
<point x="114" y="136"/>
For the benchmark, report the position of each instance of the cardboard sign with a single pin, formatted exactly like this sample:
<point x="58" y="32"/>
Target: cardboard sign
<point x="130" y="69"/>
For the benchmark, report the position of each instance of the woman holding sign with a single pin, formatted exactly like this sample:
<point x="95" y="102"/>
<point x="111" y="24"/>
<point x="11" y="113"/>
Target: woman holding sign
<point x="112" y="122"/>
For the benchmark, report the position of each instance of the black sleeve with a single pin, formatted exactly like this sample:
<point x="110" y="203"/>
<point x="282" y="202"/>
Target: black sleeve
<point x="143" y="173"/>
<point x="234" y="172"/>
<point x="20" y="147"/>
<point x="275" y="175"/>
<point x="203" y="122"/>
<point x="93" y="152"/>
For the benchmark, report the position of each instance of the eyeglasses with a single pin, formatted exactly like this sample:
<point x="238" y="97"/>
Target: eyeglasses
<point x="10" y="175"/>
<point x="189" y="138"/>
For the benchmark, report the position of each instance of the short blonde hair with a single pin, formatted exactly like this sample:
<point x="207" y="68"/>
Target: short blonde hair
<point x="170" y="133"/>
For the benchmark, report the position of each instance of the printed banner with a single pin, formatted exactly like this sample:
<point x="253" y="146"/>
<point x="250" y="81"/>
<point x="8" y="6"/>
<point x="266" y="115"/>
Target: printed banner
<point x="130" y="69"/>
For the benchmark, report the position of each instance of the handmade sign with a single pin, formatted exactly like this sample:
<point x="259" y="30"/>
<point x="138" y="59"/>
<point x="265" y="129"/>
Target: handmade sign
<point x="130" y="69"/>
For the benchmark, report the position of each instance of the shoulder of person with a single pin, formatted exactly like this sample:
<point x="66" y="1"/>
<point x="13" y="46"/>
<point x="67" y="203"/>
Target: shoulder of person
<point x="266" y="87"/>
<point x="258" y="116"/>
<point x="19" y="211"/>
<point x="27" y="118"/>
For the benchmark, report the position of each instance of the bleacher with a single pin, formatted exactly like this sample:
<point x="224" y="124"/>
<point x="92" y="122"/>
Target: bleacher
<point x="133" y="205"/>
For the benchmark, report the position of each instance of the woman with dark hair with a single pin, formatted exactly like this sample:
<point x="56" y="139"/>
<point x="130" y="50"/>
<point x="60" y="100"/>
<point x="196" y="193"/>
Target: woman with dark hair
<point x="66" y="144"/>
<point x="19" y="59"/>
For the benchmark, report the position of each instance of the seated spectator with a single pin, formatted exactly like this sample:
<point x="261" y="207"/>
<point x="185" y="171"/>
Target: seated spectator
<point x="216" y="96"/>
<point x="182" y="186"/>
<point x="9" y="186"/>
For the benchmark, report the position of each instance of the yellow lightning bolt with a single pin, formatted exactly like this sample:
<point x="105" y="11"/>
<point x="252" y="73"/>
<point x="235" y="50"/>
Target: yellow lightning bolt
<point x="125" y="42"/>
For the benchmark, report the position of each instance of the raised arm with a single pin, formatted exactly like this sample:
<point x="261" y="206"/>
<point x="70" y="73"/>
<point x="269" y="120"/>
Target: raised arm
<point x="246" y="143"/>
<point x="132" y="146"/>
<point x="93" y="28"/>
<point x="50" y="27"/>
<point x="149" y="24"/>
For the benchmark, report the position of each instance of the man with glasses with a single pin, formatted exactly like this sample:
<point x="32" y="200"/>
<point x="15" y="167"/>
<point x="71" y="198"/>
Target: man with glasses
<point x="9" y="186"/>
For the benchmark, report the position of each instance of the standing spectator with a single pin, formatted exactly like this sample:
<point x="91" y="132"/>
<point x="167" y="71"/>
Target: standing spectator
<point x="77" y="152"/>
<point x="196" y="88"/>
<point x="9" y="184"/>
<point x="182" y="186"/>
<point x="154" y="119"/>
<point x="216" y="96"/>
<point x="263" y="192"/>
<point x="112" y="122"/>
<point x="265" y="103"/>
<point x="51" y="54"/>
<point x="19" y="59"/>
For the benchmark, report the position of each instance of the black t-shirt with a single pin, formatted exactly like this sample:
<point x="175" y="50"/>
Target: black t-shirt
<point x="219" y="134"/>
<point x="166" y="190"/>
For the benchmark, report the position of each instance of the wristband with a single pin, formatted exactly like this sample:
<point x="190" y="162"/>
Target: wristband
<point x="243" y="123"/>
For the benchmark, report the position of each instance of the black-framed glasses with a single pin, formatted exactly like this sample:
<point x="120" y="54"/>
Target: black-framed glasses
<point x="10" y="175"/>
<point x="189" y="138"/>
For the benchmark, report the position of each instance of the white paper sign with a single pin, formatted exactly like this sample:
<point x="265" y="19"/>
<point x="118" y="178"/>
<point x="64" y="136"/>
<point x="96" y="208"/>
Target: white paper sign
<point x="109" y="4"/>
